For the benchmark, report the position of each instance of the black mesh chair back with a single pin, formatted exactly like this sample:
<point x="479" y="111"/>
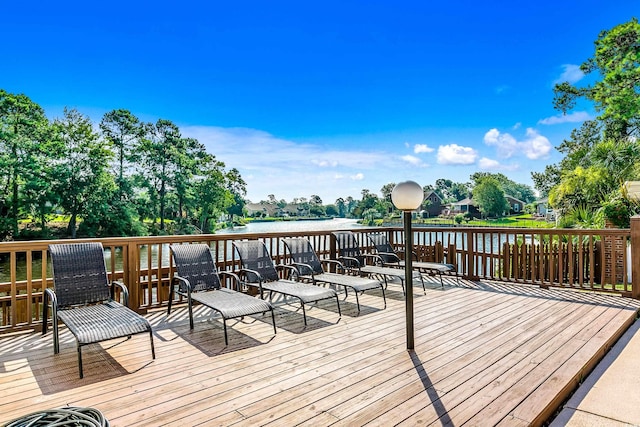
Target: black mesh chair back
<point x="302" y="252"/>
<point x="255" y="256"/>
<point x="383" y="247"/>
<point x="348" y="247"/>
<point x="195" y="263"/>
<point x="80" y="274"/>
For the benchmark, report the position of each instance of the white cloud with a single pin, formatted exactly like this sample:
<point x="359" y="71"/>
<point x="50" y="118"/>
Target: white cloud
<point x="413" y="160"/>
<point x="422" y="148"/>
<point x="576" y="117"/>
<point x="272" y="165"/>
<point x="506" y="145"/>
<point x="517" y="126"/>
<point x="485" y="163"/>
<point x="571" y="73"/>
<point x="454" y="154"/>
<point x="325" y="163"/>
<point x="490" y="164"/>
<point x="535" y="146"/>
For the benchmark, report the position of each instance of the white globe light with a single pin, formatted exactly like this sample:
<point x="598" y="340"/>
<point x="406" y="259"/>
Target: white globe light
<point x="407" y="196"/>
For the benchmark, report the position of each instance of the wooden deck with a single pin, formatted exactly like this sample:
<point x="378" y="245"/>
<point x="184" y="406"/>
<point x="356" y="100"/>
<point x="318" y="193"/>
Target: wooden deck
<point x="486" y="354"/>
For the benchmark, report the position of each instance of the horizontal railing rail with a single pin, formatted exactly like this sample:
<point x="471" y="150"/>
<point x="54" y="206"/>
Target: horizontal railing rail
<point x="597" y="260"/>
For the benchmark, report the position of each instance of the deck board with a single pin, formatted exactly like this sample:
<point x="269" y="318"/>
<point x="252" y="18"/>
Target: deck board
<point x="486" y="353"/>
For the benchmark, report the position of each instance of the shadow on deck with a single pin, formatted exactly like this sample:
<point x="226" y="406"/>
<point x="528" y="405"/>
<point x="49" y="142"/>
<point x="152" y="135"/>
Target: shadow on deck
<point x="486" y="353"/>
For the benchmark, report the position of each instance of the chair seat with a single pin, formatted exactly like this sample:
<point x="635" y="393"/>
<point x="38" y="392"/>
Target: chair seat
<point x="359" y="284"/>
<point x="304" y="291"/>
<point x="231" y="303"/>
<point x="100" y="322"/>
<point x="387" y="271"/>
<point x="435" y="266"/>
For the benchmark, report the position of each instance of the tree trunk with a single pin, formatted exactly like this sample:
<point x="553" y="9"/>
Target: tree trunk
<point x="71" y="229"/>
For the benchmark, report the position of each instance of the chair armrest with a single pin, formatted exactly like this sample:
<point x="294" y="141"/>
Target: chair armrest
<point x="376" y="258"/>
<point x="356" y="261"/>
<point x="234" y="277"/>
<point x="300" y="266"/>
<point x="392" y="255"/>
<point x="291" y="268"/>
<point x="178" y="280"/>
<point x="244" y="272"/>
<point x="123" y="289"/>
<point x="338" y="264"/>
<point x="47" y="295"/>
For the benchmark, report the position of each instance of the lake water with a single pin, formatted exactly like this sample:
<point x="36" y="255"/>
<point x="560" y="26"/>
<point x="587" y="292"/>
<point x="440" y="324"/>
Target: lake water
<point x="303" y="225"/>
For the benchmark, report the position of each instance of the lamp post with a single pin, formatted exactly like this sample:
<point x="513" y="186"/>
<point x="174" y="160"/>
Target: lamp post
<point x="408" y="196"/>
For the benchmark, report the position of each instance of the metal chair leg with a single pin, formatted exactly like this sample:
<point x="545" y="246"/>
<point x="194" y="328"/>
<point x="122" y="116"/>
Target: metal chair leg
<point x="80" y="360"/>
<point x="273" y="319"/>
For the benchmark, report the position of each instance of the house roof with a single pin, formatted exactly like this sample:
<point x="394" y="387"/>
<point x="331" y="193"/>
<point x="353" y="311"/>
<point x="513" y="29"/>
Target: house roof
<point x="464" y="202"/>
<point x="429" y="193"/>
<point x="514" y="198"/>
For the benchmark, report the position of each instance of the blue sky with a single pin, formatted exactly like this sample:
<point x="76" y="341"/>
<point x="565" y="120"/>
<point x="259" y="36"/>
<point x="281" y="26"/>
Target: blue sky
<point x="321" y="98"/>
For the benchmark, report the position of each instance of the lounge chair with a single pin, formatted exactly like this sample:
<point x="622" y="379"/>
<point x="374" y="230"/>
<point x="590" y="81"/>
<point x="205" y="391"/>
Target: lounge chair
<point x="308" y="265"/>
<point x="82" y="299"/>
<point x="259" y="270"/>
<point x="389" y="257"/>
<point x="353" y="258"/>
<point x="198" y="280"/>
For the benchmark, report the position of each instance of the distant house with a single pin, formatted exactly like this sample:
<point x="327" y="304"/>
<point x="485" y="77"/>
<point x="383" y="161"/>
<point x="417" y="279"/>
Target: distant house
<point x="516" y="206"/>
<point x="542" y="206"/>
<point x="465" y="205"/>
<point x="272" y="209"/>
<point x="432" y="205"/>
<point x="265" y="209"/>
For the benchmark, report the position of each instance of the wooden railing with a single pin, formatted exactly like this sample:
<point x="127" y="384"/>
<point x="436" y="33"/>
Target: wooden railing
<point x="578" y="259"/>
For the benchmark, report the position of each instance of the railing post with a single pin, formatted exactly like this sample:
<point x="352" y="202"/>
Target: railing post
<point x="131" y="273"/>
<point x="635" y="256"/>
<point x="333" y="252"/>
<point x="471" y="256"/>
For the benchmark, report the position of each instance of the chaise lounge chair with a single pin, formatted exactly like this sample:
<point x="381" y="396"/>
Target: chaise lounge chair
<point x="353" y="258"/>
<point x="389" y="257"/>
<point x="308" y="265"/>
<point x="259" y="270"/>
<point x="82" y="299"/>
<point x="199" y="280"/>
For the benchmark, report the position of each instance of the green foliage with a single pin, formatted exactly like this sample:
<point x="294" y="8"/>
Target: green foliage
<point x="602" y="153"/>
<point x="615" y="94"/>
<point x="117" y="182"/>
<point x="509" y="187"/>
<point x="489" y="196"/>
<point x="619" y="211"/>
<point x="450" y="191"/>
<point x="459" y="218"/>
<point x="582" y="217"/>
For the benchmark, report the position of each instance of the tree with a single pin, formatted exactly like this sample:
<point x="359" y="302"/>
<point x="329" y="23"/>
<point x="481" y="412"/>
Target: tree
<point x="342" y="207"/>
<point x="238" y="189"/>
<point x="22" y="126"/>
<point x="213" y="194"/>
<point x="489" y="196"/>
<point x="616" y="62"/>
<point x="159" y="158"/>
<point x="386" y="190"/>
<point x="123" y="131"/>
<point x="81" y="169"/>
<point x="519" y="191"/>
